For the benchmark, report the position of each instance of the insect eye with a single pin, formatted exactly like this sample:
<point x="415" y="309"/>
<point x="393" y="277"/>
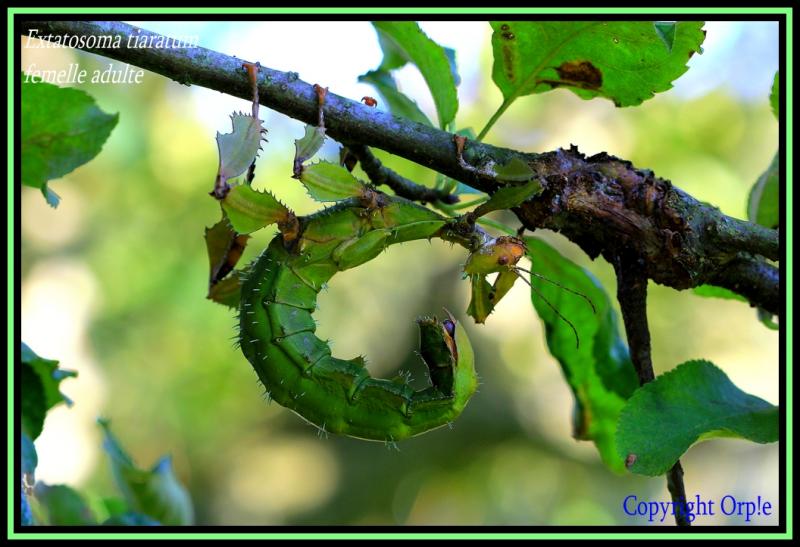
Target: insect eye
<point x="450" y="327"/>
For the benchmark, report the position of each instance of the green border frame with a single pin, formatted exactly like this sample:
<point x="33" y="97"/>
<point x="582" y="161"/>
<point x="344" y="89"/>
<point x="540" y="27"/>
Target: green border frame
<point x="787" y="321"/>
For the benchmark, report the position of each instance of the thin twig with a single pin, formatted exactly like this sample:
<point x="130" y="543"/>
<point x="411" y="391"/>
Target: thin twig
<point x="632" y="296"/>
<point x="379" y="174"/>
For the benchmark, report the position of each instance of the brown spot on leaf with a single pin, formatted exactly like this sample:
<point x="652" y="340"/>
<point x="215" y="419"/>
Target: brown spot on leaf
<point x="504" y="27"/>
<point x="508" y="35"/>
<point x="580" y="73"/>
<point x="229" y="258"/>
<point x="630" y="460"/>
<point x="508" y="63"/>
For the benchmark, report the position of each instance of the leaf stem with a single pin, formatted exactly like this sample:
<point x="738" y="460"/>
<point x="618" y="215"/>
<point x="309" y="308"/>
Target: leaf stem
<point x="496" y="116"/>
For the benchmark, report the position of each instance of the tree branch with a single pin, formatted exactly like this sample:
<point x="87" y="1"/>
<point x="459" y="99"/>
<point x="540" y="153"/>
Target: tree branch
<point x="401" y="186"/>
<point x="753" y="279"/>
<point x="602" y="203"/>
<point x="632" y="296"/>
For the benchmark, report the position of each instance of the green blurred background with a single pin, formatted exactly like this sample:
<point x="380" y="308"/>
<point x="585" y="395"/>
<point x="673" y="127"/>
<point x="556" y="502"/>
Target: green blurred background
<point x="114" y="285"/>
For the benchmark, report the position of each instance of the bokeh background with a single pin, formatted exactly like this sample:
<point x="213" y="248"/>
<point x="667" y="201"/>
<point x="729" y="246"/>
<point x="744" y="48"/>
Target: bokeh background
<point x="114" y="284"/>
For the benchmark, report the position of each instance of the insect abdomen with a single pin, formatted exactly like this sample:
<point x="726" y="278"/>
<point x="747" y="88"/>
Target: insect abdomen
<point x="297" y="369"/>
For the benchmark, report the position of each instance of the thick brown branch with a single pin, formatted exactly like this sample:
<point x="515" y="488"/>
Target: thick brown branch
<point x="602" y="203"/>
<point x="610" y="208"/>
<point x="753" y="279"/>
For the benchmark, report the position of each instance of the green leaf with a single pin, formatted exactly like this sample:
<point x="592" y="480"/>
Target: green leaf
<point x="767" y="319"/>
<point x="225" y="248"/>
<point x="312" y="141"/>
<point x="26" y="515"/>
<point x="451" y="58"/>
<point x="479" y="305"/>
<point x="393" y="56"/>
<point x="775" y="95"/>
<point x="228" y="291"/>
<point x="467" y="132"/>
<point x="40" y="389"/>
<point x="508" y="197"/>
<point x="327" y="181"/>
<point x="29" y="459"/>
<point x="398" y="103"/>
<point x="599" y="372"/>
<point x="499" y="226"/>
<point x="28" y="468"/>
<point x="50" y="196"/>
<point x="239" y="148"/>
<point x="710" y="291"/>
<point x="63" y="505"/>
<point x="462" y="189"/>
<point x="625" y="62"/>
<point x="131" y="519"/>
<point x="763" y="204"/>
<point x="62" y="128"/>
<point x="250" y="210"/>
<point x="156" y="493"/>
<point x="516" y="170"/>
<point x="405" y="40"/>
<point x="666" y="31"/>
<point x="113" y="506"/>
<point x="693" y="402"/>
<point x="485" y="296"/>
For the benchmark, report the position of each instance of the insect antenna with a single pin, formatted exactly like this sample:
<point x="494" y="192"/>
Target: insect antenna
<point x="540" y="276"/>
<point x="546" y="301"/>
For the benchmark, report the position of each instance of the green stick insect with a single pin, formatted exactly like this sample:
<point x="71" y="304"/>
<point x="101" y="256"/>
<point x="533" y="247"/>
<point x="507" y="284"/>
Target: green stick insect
<point x="278" y="291"/>
<point x="277" y="330"/>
